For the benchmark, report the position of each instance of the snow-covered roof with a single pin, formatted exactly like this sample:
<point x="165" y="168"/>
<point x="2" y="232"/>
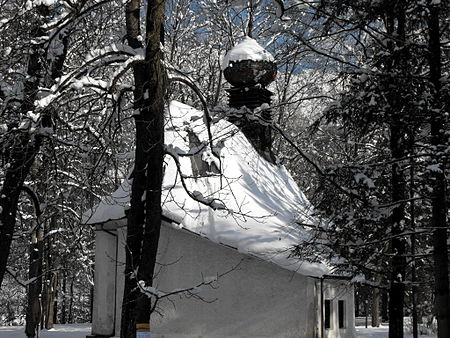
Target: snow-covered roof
<point x="247" y="49"/>
<point x="263" y="203"/>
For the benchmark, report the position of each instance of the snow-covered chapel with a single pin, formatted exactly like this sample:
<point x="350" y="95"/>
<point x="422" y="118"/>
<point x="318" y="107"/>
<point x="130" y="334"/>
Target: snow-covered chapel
<point x="235" y="262"/>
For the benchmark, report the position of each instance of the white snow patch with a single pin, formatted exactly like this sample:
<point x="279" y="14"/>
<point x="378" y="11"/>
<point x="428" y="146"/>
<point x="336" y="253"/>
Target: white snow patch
<point x="360" y="177"/>
<point x="45" y="101"/>
<point x="379" y="332"/>
<point x="239" y="4"/>
<point x="152" y="290"/>
<point x="435" y="168"/>
<point x="209" y="279"/>
<point x="34" y="3"/>
<point x="82" y="330"/>
<point x="59" y="331"/>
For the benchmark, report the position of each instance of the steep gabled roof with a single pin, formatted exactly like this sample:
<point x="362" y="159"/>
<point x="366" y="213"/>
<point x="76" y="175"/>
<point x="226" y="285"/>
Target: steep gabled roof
<point x="263" y="203"/>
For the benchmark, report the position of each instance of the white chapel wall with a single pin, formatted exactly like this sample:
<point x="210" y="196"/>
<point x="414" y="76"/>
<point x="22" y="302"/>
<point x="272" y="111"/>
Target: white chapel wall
<point x="335" y="291"/>
<point x="104" y="283"/>
<point x="257" y="299"/>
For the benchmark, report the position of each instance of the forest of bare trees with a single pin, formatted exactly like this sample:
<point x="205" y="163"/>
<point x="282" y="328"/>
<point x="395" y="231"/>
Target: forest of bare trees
<point x="360" y="107"/>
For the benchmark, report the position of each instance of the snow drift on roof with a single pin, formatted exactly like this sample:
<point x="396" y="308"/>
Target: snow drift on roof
<point x="263" y="202"/>
<point x="247" y="49"/>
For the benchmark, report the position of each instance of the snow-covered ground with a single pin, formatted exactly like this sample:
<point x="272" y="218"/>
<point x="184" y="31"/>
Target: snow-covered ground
<point x="63" y="331"/>
<point x="81" y="330"/>
<point x="379" y="332"/>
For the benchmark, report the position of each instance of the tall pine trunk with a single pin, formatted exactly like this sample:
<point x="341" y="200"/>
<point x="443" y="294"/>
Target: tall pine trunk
<point x="34" y="305"/>
<point x="144" y="217"/>
<point x="64" y="297"/>
<point x="51" y="275"/>
<point x="376" y="297"/>
<point x="398" y="247"/>
<point x="439" y="227"/>
<point x="397" y="65"/>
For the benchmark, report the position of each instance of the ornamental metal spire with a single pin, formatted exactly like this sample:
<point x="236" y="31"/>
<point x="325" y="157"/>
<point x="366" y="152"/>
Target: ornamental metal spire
<point x="249" y="68"/>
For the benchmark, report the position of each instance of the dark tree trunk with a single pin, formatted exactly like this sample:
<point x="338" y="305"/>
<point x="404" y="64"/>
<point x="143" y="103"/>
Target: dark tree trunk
<point x="55" y="303"/>
<point x="135" y="220"/>
<point x="376" y="293"/>
<point x="51" y="280"/>
<point x="144" y="218"/>
<point x="412" y="212"/>
<point x="71" y="296"/>
<point x="439" y="227"/>
<point x="21" y="158"/>
<point x="64" y="297"/>
<point x="398" y="263"/>
<point x="91" y="303"/>
<point x="25" y="146"/>
<point x="34" y="306"/>
<point x="50" y="300"/>
<point x="44" y="284"/>
<point x="396" y="23"/>
<point x="384" y="306"/>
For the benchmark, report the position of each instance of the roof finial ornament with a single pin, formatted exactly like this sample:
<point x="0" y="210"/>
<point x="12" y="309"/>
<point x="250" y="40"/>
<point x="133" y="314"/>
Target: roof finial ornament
<point x="249" y="68"/>
<point x="248" y="64"/>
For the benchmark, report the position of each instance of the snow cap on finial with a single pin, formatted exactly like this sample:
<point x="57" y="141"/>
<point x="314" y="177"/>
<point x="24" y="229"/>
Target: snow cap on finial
<point x="248" y="64"/>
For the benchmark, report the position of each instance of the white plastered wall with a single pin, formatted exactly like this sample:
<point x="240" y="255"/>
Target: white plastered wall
<point x="335" y="290"/>
<point x="255" y="299"/>
<point x="103" y="315"/>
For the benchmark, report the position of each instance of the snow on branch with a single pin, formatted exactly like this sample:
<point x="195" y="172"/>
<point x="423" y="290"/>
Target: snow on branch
<point x="79" y="79"/>
<point x="213" y="203"/>
<point x="115" y="48"/>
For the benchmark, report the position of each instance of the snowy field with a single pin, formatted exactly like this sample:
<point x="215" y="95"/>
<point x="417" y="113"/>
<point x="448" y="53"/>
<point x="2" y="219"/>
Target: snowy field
<point x="379" y="332"/>
<point x="64" y="331"/>
<point x="81" y="330"/>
